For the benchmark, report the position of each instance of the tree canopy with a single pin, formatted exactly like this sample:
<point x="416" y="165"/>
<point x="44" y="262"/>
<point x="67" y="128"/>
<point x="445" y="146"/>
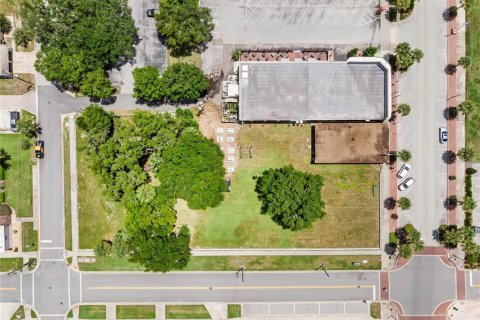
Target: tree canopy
<point x="406" y="56"/>
<point x="180" y="82"/>
<point x="291" y="197"/>
<point x="192" y="169"/>
<point x="80" y="36"/>
<point x="185" y="24"/>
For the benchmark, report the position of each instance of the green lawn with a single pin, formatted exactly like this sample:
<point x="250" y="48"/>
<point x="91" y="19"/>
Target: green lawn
<point x="135" y="312"/>
<point x="376" y="310"/>
<point x="112" y="263"/>
<point x="352" y="207"/>
<point x="195" y="58"/>
<point x="98" y="218"/>
<point x="473" y="77"/>
<point x="186" y="312"/>
<point x="233" y="263"/>
<point x="234" y="311"/>
<point x="33" y="314"/>
<point x="29" y="237"/>
<point x="9" y="264"/>
<point x="67" y="197"/>
<point x="92" y="312"/>
<point x="18" y="177"/>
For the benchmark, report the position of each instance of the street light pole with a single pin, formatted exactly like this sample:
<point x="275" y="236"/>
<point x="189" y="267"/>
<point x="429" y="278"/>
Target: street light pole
<point x="238" y="272"/>
<point x="322" y="266"/>
<point x="457" y="95"/>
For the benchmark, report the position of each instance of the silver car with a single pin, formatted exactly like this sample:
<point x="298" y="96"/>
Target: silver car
<point x="443" y="135"/>
<point x="404" y="170"/>
<point x="406" y="184"/>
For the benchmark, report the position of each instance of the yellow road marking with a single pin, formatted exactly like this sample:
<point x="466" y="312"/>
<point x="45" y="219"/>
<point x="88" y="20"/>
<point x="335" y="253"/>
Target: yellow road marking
<point x="8" y="289"/>
<point x="233" y="288"/>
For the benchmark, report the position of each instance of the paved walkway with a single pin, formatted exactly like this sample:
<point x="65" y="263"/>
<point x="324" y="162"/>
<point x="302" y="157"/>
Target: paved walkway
<point x="393" y="148"/>
<point x="28" y="101"/>
<point x="73" y="181"/>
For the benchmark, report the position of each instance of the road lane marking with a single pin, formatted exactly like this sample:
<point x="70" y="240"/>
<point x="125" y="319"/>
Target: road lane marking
<point x="52" y="248"/>
<point x="7" y="289"/>
<point x="52" y="259"/>
<point x="235" y="287"/>
<point x="81" y="298"/>
<point x="45" y="241"/>
<point x="33" y="290"/>
<point x="21" y="288"/>
<point x="68" y="281"/>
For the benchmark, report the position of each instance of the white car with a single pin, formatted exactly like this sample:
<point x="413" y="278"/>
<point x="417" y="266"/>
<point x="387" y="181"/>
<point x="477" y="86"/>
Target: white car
<point x="443" y="135"/>
<point x="404" y="170"/>
<point x="406" y="184"/>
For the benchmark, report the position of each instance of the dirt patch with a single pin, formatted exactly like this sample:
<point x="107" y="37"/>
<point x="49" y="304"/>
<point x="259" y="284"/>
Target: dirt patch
<point x="351" y="143"/>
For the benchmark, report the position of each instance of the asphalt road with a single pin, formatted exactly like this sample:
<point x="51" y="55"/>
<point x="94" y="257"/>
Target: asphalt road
<point x="424" y="87"/>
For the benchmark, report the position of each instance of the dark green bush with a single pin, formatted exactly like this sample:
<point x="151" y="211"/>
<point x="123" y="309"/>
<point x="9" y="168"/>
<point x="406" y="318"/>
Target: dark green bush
<point x="452" y="177"/>
<point x="392" y="238"/>
<point x="470" y="171"/>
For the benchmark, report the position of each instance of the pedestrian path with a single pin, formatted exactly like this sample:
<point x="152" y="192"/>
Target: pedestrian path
<point x="285" y="252"/>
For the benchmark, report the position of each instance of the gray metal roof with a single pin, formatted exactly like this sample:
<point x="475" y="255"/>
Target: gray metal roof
<point x="294" y="91"/>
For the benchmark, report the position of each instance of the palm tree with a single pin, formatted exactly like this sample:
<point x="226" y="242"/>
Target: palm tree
<point x="417" y="54"/>
<point x="404" y="203"/>
<point x="466" y="154"/>
<point x="464" y="62"/>
<point x="404" y="109"/>
<point x="468" y="204"/>
<point x="467" y="106"/>
<point x="404" y="155"/>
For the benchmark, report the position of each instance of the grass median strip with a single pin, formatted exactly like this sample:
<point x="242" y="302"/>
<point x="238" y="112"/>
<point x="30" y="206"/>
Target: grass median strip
<point x="92" y="312"/>
<point x="186" y="312"/>
<point x="234" y="311"/>
<point x="135" y="312"/>
<point x="9" y="264"/>
<point x="253" y="263"/>
<point x="67" y="189"/>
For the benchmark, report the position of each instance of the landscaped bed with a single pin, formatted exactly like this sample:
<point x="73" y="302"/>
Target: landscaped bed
<point x="67" y="197"/>
<point x="473" y="77"/>
<point x="350" y="194"/>
<point x="92" y="312"/>
<point x="18" y="176"/>
<point x="29" y="237"/>
<point x="135" y="312"/>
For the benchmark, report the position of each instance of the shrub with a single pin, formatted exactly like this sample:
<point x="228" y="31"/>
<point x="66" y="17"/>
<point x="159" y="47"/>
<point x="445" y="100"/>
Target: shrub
<point x="25" y="143"/>
<point x="352" y="53"/>
<point x="405" y="251"/>
<point x="370" y="51"/>
<point x="392" y="239"/>
<point x="23" y="35"/>
<point x="452" y="12"/>
<point x="452" y="112"/>
<point x="5" y="210"/>
<point x="103" y="248"/>
<point x="236" y="55"/>
<point x="452" y="177"/>
<point x="468" y="185"/>
<point x="470" y="171"/>
<point x="5" y="25"/>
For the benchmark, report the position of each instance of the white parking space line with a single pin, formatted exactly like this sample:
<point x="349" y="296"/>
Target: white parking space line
<point x="45" y="241"/>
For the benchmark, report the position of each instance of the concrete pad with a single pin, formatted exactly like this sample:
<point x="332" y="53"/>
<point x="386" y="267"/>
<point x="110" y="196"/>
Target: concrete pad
<point x="282" y="309"/>
<point x="332" y="308"/>
<point x="260" y="309"/>
<point x="307" y="308"/>
<point x="356" y="308"/>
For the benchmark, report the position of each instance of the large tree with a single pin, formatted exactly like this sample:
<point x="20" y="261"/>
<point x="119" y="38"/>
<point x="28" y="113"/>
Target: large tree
<point x="147" y="84"/>
<point x="96" y="85"/>
<point x="406" y="56"/>
<point x="192" y="169"/>
<point x="291" y="197"/>
<point x="185" y="24"/>
<point x="184" y="82"/>
<point x="80" y="36"/>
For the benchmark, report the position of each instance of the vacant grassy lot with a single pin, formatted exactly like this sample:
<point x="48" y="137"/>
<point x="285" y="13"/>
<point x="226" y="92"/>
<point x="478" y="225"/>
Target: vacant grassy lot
<point x="93" y="312"/>
<point x="351" y="204"/>
<point x="17" y="86"/>
<point x="18" y="184"/>
<point x="29" y="237"/>
<point x="135" y="312"/>
<point x="473" y="77"/>
<point x="186" y="312"/>
<point x="232" y="263"/>
<point x="9" y="264"/>
<point x="98" y="218"/>
<point x="67" y="189"/>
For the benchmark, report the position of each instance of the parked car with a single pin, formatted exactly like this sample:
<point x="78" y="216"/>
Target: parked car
<point x="14" y="116"/>
<point x="406" y="184"/>
<point x="39" y="149"/>
<point x="402" y="173"/>
<point x="151" y="13"/>
<point x="443" y="135"/>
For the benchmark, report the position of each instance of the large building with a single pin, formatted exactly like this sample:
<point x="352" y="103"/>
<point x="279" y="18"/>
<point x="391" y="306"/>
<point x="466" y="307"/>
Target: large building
<point x="296" y="91"/>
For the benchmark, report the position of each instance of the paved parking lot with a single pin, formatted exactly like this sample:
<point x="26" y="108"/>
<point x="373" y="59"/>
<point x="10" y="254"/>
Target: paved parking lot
<point x="295" y="22"/>
<point x="149" y="51"/>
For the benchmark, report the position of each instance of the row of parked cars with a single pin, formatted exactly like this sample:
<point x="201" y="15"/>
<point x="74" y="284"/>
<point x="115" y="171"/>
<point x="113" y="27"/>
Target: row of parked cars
<point x="405" y="169"/>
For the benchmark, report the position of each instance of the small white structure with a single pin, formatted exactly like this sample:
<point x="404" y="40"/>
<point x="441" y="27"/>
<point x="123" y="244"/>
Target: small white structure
<point x="5" y="238"/>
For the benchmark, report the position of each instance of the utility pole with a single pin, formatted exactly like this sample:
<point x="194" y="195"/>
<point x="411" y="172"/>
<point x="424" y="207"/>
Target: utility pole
<point x="238" y="273"/>
<point x="457" y="95"/>
<point x="322" y="266"/>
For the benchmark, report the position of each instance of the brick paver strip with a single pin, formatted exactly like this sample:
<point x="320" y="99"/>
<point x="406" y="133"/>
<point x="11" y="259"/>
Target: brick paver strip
<point x="384" y="295"/>
<point x="452" y="92"/>
<point x="423" y="317"/>
<point x="433" y="251"/>
<point x="393" y="147"/>
<point x="460" y="284"/>
<point x="442" y="309"/>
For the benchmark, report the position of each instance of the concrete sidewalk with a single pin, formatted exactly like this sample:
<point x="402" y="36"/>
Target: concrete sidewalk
<point x="285" y="252"/>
